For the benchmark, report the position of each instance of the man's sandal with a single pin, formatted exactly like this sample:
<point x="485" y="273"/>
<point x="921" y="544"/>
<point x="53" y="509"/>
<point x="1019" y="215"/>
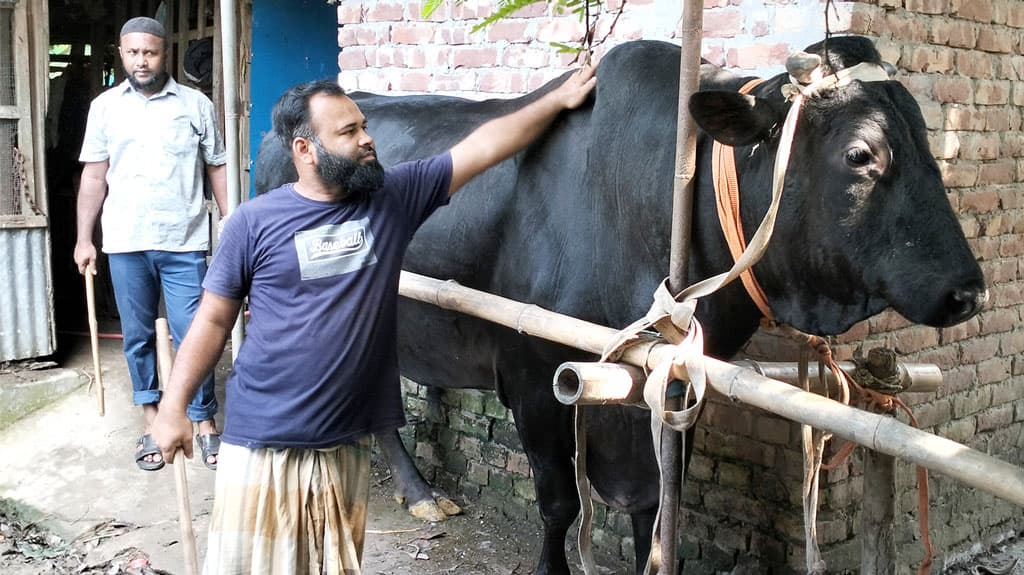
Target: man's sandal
<point x="209" y="445"/>
<point x="146" y="446"/>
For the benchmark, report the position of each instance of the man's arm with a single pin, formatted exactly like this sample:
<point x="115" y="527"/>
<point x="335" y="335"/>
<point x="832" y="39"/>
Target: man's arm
<point x="197" y="355"/>
<point x="501" y="137"/>
<point x="92" y="190"/>
<point x="219" y="182"/>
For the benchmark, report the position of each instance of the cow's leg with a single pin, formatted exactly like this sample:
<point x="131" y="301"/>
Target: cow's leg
<point x="423" y="501"/>
<point x="546" y="432"/>
<point x="643" y="533"/>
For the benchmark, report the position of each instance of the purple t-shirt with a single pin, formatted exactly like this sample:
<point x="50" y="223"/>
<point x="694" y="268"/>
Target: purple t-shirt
<point x="319" y="365"/>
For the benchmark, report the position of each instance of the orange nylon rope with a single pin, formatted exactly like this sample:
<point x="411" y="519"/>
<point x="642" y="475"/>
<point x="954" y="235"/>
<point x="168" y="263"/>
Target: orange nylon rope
<point x="727" y="199"/>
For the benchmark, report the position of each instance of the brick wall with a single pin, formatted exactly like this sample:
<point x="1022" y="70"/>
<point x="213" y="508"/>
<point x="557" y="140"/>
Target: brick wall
<point x="961" y="59"/>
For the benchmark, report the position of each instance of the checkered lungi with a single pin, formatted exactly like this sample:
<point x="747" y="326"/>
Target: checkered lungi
<point x="289" y="511"/>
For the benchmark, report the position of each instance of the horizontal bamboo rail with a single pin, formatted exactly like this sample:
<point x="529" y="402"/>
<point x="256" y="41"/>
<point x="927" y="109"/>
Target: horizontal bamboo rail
<point x="884" y="434"/>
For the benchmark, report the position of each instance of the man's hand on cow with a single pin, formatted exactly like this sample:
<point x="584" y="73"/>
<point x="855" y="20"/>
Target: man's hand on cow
<point x="576" y="88"/>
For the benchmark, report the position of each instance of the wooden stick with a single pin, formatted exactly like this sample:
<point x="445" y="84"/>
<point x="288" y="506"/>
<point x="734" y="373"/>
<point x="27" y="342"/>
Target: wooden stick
<point x="90" y="298"/>
<point x="188" y="536"/>
<point x="881" y="433"/>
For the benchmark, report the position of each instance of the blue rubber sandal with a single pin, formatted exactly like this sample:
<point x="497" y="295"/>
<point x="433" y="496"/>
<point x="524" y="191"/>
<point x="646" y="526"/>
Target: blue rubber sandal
<point x="147" y="446"/>
<point x="208" y="445"/>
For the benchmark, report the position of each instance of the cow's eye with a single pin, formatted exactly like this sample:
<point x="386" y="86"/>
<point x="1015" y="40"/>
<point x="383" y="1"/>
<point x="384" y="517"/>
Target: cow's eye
<point x="858" y="157"/>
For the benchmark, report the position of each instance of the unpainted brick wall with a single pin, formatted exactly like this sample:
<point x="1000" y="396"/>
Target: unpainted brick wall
<point x="962" y="61"/>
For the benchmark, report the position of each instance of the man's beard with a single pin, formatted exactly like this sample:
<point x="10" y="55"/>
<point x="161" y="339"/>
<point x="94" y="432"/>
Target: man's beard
<point x="356" y="179"/>
<point x="155" y="81"/>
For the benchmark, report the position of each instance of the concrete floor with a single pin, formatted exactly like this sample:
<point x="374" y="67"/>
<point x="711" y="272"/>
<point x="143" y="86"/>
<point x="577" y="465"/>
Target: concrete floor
<point x="74" y="469"/>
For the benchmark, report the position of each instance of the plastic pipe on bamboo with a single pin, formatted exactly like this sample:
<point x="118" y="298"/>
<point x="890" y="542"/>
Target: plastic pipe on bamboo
<point x="582" y="383"/>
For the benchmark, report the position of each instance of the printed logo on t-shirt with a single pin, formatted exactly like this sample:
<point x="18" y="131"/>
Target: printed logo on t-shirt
<point x="335" y="249"/>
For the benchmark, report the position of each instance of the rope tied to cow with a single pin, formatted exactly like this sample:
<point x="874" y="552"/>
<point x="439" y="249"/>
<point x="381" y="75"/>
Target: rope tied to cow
<point x="872" y="379"/>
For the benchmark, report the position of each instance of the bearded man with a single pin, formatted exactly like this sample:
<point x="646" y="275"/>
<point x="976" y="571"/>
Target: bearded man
<point x="319" y="260"/>
<point x="147" y="144"/>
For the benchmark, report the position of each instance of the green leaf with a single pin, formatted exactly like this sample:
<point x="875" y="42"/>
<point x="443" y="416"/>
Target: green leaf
<point x="429" y="7"/>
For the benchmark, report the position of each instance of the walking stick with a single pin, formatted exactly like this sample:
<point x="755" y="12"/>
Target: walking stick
<point x="90" y="298"/>
<point x="188" y="536"/>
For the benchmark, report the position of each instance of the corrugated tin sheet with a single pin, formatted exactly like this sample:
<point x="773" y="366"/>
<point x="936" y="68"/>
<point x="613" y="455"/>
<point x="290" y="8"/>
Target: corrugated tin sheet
<point x="26" y="313"/>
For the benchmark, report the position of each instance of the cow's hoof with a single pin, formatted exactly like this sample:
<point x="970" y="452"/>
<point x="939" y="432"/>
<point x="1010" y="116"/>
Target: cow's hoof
<point x="427" y="511"/>
<point x="447" y="505"/>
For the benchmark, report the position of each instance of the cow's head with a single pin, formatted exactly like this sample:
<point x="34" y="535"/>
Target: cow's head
<point x="865" y="222"/>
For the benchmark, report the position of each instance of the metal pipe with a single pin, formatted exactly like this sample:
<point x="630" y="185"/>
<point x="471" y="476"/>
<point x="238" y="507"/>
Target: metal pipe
<point x="229" y="55"/>
<point x="582" y="383"/>
<point x="881" y="433"/>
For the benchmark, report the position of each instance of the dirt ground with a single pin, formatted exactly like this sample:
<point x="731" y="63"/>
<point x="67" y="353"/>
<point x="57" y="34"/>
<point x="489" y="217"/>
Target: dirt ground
<point x="62" y="466"/>
<point x="477" y="542"/>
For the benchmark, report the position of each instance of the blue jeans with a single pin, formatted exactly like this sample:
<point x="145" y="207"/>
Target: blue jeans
<point x="138" y="278"/>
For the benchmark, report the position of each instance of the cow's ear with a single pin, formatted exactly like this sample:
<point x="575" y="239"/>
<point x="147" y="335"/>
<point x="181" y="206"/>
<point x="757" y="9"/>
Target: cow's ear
<point x="732" y="118"/>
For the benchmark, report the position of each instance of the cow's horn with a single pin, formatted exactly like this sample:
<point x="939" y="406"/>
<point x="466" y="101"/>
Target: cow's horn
<point x="801" y="66"/>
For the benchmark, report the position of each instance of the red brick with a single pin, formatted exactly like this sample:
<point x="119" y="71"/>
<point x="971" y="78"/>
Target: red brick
<point x="564" y="29"/>
<point x="457" y="81"/>
<point x="961" y="117"/>
<point x="979" y="146"/>
<point x="502" y="82"/>
<point x="1015" y="15"/>
<point x="995" y="225"/>
<point x="999" y="321"/>
<point x="1011" y="344"/>
<point x="454" y="36"/>
<point x="757" y="56"/>
<point x="513" y="31"/>
<point x="984" y="248"/>
<point x="992" y="92"/>
<point x="861" y="20"/>
<point x="979" y="349"/>
<point x="527" y="57"/>
<point x="927" y="6"/>
<point x="887" y="321"/>
<point x="531" y="11"/>
<point x="416" y="12"/>
<point x="962" y="35"/>
<point x="944" y="357"/>
<point x="906" y="29"/>
<point x="993" y="370"/>
<point x="953" y="89"/>
<point x="995" y="40"/>
<point x="1012" y="200"/>
<point x="998" y="172"/>
<point x="354" y="58"/>
<point x="350" y="13"/>
<point x="414" y="82"/>
<point x="959" y="332"/>
<point x="471" y="10"/>
<point x="412" y="34"/>
<point x="1000" y="120"/>
<point x="385" y="12"/>
<point x="726" y="23"/>
<point x="1005" y="295"/>
<point x="975" y="64"/>
<point x="979" y="201"/>
<point x="518" y="464"/>
<point x="916" y="338"/>
<point x="372" y="36"/>
<point x="958" y="174"/>
<point x="957" y="380"/>
<point x="928" y="59"/>
<point x="977" y="10"/>
<point x="474" y="57"/>
<point x="1011" y="246"/>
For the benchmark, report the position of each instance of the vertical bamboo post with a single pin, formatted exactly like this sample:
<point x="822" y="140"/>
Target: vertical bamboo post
<point x="878" y="543"/>
<point x="672" y="448"/>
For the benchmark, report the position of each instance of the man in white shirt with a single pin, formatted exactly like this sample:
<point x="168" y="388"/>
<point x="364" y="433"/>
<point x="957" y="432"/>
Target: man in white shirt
<point x="147" y="144"/>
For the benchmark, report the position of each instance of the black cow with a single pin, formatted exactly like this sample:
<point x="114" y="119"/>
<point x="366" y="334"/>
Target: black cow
<point x="579" y="223"/>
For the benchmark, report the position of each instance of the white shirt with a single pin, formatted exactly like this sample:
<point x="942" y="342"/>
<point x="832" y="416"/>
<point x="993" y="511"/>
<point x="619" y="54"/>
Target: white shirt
<point x="155" y="180"/>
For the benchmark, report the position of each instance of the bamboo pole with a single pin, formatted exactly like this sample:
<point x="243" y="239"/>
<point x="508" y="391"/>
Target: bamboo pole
<point x="188" y="536"/>
<point x="229" y="54"/>
<point x="878" y="540"/>
<point x="884" y="434"/>
<point x="90" y="300"/>
<point x="672" y="443"/>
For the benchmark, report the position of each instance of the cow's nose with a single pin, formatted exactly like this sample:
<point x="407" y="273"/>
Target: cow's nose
<point x="963" y="303"/>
